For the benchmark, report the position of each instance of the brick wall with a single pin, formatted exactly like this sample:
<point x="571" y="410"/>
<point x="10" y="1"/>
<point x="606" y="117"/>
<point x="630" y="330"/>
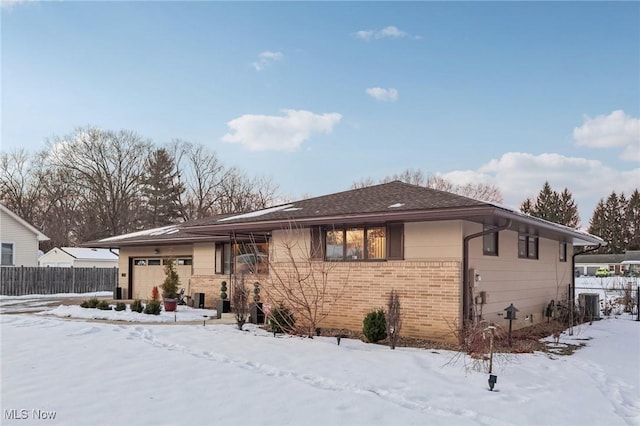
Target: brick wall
<point x="429" y="293"/>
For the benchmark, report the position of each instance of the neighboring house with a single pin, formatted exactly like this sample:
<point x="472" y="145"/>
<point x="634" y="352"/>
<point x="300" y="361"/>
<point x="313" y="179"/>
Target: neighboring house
<point x="452" y="259"/>
<point x="618" y="264"/>
<point x="80" y="257"/>
<point x="19" y="240"/>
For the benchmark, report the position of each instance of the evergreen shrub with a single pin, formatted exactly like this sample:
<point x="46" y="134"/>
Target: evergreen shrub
<point x="103" y="305"/>
<point x="136" y="306"/>
<point x="281" y="320"/>
<point x="374" y="326"/>
<point x="153" y="307"/>
<point x="91" y="303"/>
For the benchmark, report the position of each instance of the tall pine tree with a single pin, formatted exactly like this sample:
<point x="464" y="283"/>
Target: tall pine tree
<point x="633" y="221"/>
<point x="554" y="207"/>
<point x="162" y="189"/>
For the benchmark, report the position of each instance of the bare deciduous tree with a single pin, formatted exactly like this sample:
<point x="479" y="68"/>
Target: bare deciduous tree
<point x="240" y="299"/>
<point x="308" y="287"/>
<point x="394" y="319"/>
<point x="21" y="184"/>
<point x="107" y="168"/>
<point x="478" y="191"/>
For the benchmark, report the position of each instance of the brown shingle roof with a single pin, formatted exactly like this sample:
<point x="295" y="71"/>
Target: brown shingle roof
<point x="394" y="196"/>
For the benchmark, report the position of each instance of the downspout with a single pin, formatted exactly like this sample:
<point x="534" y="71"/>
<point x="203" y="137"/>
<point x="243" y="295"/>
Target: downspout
<point x="467" y="314"/>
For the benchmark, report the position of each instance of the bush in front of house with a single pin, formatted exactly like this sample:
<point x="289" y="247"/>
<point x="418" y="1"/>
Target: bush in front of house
<point x="153" y="307"/>
<point x="103" y="305"/>
<point x="136" y="306"/>
<point x="281" y="320"/>
<point x="374" y="326"/>
<point x="120" y="306"/>
<point x="90" y="303"/>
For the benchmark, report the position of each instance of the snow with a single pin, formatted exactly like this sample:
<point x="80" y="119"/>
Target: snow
<point x="396" y="205"/>
<point x="170" y="229"/>
<point x="183" y="313"/>
<point x="83" y="253"/>
<point x="92" y="372"/>
<point x="257" y="213"/>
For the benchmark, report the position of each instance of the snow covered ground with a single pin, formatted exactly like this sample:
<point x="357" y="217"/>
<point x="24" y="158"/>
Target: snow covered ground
<point x="88" y="373"/>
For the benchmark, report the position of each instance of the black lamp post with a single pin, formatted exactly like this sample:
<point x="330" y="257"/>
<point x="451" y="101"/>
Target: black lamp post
<point x="511" y="315"/>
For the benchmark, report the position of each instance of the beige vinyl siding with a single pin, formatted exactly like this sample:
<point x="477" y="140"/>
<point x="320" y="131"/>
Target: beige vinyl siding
<point x="298" y="240"/>
<point x="204" y="258"/>
<point x="25" y="242"/>
<point x="530" y="284"/>
<point x="433" y="240"/>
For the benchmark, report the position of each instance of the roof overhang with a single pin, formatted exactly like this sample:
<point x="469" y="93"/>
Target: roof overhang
<point x="481" y="214"/>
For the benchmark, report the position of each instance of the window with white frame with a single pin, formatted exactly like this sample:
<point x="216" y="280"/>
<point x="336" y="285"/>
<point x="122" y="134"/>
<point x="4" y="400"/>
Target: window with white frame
<point x="7" y="254"/>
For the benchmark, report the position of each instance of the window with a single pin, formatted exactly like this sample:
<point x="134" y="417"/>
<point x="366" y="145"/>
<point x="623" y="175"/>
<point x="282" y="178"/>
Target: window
<point x="527" y="246"/>
<point x="563" y="252"/>
<point x="154" y="262"/>
<point x="185" y="261"/>
<point x="360" y="243"/>
<point x="250" y="258"/>
<point x="7" y="254"/>
<point x="490" y="243"/>
<point x="140" y="262"/>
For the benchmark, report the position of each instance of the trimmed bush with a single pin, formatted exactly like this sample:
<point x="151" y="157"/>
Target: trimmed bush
<point x="103" y="305"/>
<point x="281" y="320"/>
<point x="91" y="303"/>
<point x="153" y="307"/>
<point x="136" y="306"/>
<point x="120" y="306"/>
<point x="374" y="326"/>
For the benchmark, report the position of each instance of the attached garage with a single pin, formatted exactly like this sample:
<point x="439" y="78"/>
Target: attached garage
<point x="148" y="272"/>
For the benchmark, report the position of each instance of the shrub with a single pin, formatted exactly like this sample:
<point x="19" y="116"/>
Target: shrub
<point x="153" y="307"/>
<point x="136" y="306"/>
<point x="120" y="306"/>
<point x="103" y="305"/>
<point x="374" y="326"/>
<point x="172" y="280"/>
<point x="281" y="320"/>
<point x="91" y="303"/>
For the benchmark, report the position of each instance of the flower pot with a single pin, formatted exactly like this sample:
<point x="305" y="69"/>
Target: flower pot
<point x="170" y="304"/>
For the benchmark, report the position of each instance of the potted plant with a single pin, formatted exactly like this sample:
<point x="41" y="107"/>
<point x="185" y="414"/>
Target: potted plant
<point x="170" y="286"/>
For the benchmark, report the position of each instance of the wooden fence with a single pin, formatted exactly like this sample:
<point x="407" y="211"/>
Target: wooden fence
<point x="20" y="280"/>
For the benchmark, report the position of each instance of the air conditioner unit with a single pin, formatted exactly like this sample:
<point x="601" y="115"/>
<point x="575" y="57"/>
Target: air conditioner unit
<point x="590" y="305"/>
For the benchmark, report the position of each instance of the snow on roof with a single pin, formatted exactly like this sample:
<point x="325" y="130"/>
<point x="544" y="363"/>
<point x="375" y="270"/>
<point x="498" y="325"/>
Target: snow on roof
<point x="170" y="229"/>
<point x="396" y="205"/>
<point x="83" y="253"/>
<point x="257" y="213"/>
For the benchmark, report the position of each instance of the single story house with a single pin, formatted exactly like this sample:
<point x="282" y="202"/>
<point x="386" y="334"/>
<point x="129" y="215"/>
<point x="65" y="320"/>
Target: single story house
<point x="451" y="258"/>
<point x="19" y="240"/>
<point x="619" y="264"/>
<point x="80" y="257"/>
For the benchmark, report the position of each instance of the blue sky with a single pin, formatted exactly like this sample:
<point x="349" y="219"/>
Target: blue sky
<point x="319" y="95"/>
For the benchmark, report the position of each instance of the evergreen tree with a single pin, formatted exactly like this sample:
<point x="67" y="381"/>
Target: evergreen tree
<point x="598" y="223"/>
<point x="633" y="221"/>
<point x="527" y="206"/>
<point x="162" y="189"/>
<point x="554" y="207"/>
<point x="568" y="210"/>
